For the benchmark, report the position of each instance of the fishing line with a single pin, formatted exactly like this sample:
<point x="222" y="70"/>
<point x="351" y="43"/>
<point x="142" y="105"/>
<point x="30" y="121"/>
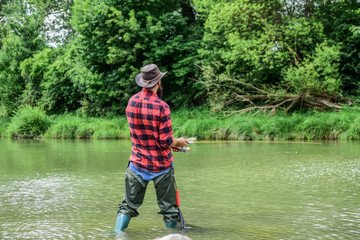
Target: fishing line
<point x="276" y="142"/>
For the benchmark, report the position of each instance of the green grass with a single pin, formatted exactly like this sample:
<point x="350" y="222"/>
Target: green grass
<point x="326" y="126"/>
<point x="344" y="125"/>
<point x="202" y="124"/>
<point x="69" y="126"/>
<point x="3" y="126"/>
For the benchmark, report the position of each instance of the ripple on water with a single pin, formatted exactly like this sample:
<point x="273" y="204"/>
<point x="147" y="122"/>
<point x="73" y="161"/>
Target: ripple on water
<point x="46" y="207"/>
<point x="326" y="198"/>
<point x="229" y="192"/>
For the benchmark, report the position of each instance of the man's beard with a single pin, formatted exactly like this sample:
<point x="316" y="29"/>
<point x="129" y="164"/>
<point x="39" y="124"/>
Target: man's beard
<point x="159" y="92"/>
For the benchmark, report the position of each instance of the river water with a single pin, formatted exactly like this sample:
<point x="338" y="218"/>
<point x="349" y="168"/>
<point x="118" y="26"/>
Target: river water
<point x="63" y="189"/>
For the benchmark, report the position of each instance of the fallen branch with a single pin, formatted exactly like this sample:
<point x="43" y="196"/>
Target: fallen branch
<point x="236" y="93"/>
<point x="263" y="107"/>
<point x="285" y="101"/>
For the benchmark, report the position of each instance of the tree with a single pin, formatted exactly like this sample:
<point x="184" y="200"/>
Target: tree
<point x="341" y="21"/>
<point x="12" y="53"/>
<point x="256" y="55"/>
<point x="21" y="38"/>
<point x="27" y="30"/>
<point x="58" y="29"/>
<point x="117" y="38"/>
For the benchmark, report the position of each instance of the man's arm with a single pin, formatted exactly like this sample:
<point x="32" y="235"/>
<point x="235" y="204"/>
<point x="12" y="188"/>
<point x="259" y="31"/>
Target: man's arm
<point x="166" y="133"/>
<point x="179" y="143"/>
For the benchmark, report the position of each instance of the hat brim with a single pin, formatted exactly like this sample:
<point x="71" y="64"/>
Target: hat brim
<point x="139" y="81"/>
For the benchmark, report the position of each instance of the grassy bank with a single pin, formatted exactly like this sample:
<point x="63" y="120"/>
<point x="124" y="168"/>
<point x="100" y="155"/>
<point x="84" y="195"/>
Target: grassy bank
<point x="69" y="126"/>
<point x="343" y="125"/>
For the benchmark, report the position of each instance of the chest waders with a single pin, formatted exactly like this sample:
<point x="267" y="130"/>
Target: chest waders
<point x="167" y="199"/>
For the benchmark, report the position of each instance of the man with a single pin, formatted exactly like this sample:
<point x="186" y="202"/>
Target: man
<point x="151" y="158"/>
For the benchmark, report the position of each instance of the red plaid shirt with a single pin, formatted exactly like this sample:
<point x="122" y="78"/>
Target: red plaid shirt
<point x="150" y="131"/>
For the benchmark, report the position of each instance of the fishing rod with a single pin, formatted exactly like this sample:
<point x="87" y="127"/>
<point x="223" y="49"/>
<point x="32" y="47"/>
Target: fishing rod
<point x="181" y="217"/>
<point x="193" y="140"/>
<point x="276" y="142"/>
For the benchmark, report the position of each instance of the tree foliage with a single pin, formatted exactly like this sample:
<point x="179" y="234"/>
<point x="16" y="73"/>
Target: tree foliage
<point x="341" y="25"/>
<point x="280" y="48"/>
<point x="21" y="37"/>
<point x="13" y="51"/>
<point x="117" y="38"/>
<point x="318" y="74"/>
<point x="83" y="55"/>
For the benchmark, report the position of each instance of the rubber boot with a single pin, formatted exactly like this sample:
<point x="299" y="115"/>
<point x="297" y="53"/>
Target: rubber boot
<point x="122" y="222"/>
<point x="171" y="224"/>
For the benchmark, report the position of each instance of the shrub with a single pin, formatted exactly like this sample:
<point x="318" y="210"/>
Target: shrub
<point x="28" y="122"/>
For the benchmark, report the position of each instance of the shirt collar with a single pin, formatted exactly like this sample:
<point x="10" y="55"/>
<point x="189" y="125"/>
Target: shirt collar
<point x="148" y="91"/>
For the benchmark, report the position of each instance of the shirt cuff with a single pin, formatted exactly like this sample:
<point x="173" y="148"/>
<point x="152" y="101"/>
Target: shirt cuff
<point x="169" y="141"/>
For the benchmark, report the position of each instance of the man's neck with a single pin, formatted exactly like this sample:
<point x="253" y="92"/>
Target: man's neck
<point x="154" y="88"/>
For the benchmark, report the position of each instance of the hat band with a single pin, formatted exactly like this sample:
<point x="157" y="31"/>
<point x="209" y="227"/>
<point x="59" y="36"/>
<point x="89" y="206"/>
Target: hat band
<point x="149" y="81"/>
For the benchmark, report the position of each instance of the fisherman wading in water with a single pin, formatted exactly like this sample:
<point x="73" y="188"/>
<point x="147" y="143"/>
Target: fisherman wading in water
<point x="151" y="158"/>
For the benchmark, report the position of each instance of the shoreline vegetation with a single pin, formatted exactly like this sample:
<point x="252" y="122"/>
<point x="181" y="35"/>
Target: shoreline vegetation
<point x="279" y="70"/>
<point x="200" y="123"/>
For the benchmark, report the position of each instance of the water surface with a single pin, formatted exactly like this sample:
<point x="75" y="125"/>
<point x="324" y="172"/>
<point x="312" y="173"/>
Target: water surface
<point x="63" y="189"/>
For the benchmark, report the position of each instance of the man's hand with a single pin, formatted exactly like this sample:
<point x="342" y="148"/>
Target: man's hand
<point x="179" y="143"/>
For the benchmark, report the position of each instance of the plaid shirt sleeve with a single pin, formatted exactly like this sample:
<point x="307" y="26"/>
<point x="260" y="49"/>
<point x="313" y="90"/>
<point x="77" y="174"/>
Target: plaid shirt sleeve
<point x="165" y="128"/>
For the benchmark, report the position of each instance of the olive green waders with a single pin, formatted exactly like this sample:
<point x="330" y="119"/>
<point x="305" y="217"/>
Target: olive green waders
<point x="135" y="188"/>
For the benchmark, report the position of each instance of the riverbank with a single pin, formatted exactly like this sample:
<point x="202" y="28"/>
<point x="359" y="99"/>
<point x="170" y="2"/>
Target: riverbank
<point x="202" y="124"/>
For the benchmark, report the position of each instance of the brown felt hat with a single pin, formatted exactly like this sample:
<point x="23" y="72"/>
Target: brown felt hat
<point x="149" y="76"/>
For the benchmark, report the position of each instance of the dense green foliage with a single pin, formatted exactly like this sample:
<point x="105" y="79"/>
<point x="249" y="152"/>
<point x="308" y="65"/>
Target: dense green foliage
<point x="341" y="23"/>
<point x="318" y="74"/>
<point x="28" y="122"/>
<point x="281" y="47"/>
<point x="81" y="56"/>
<point x="202" y="124"/>
<point x="93" y="70"/>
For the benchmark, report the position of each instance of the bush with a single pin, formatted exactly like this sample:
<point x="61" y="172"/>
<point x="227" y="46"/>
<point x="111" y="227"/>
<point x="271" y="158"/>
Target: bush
<point x="318" y="74"/>
<point x="28" y="122"/>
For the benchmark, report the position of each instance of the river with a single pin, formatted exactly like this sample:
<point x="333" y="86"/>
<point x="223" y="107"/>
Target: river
<point x="70" y="189"/>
